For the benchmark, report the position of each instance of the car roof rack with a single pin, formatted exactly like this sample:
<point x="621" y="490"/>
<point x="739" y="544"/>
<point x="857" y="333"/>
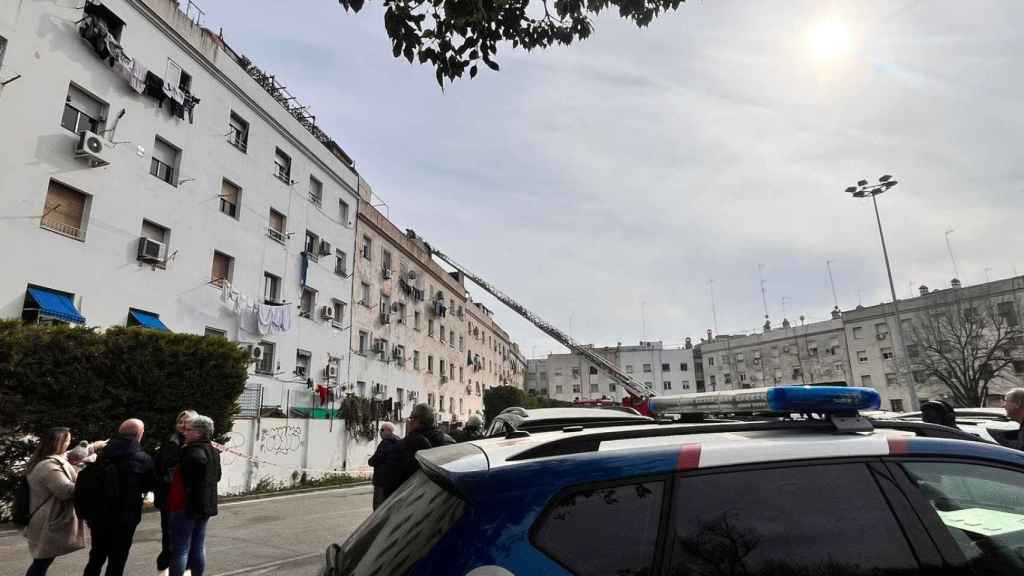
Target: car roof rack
<point x="591" y="441"/>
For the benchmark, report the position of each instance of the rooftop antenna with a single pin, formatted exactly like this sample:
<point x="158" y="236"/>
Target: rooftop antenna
<point x="835" y="299"/>
<point x="714" y="306"/>
<point x="784" y="298"/>
<point x="949" y="247"/>
<point x="643" y="320"/>
<point x="764" y="290"/>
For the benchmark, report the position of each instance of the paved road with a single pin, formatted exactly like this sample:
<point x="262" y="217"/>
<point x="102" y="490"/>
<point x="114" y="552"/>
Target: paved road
<point x="284" y="535"/>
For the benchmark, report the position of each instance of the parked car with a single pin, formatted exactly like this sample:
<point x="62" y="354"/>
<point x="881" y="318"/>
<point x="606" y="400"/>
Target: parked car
<point x="830" y="496"/>
<point x="990" y="424"/>
<point x="551" y="419"/>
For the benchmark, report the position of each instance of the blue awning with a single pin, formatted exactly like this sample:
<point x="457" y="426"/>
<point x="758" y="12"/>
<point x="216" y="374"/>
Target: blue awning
<point x="147" y="320"/>
<point x="56" y="305"/>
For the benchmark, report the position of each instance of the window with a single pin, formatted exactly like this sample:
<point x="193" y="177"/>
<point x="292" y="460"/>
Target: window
<point x="156" y="233"/>
<point x="3" y="49"/>
<point x="385" y="260"/>
<point x="223" y="266"/>
<point x="339" y="312"/>
<point x="728" y="378"/>
<point x="1018" y="366"/>
<point x="316" y="192"/>
<point x="865" y="380"/>
<point x="238" y="132"/>
<point x="302" y="361"/>
<point x="282" y="166"/>
<point x="460" y="342"/>
<point x="367" y="248"/>
<point x="430" y="399"/>
<point x="729" y="519"/>
<point x="430" y="363"/>
<point x="364" y="342"/>
<point x="576" y="373"/>
<point x="343" y="213"/>
<point x="576" y="388"/>
<point x="666" y="385"/>
<point x="417" y="317"/>
<point x="451" y="338"/>
<point x="312" y="248"/>
<point x="862" y="356"/>
<point x="896" y="405"/>
<point x="713" y="383"/>
<point x="887" y="353"/>
<point x="711" y="360"/>
<point x="461" y="374"/>
<point x="812" y="348"/>
<point x="684" y="367"/>
<point x="980" y="507"/>
<point x="913" y="350"/>
<point x="65" y="210"/>
<point x="440" y="403"/>
<point x="82" y="112"/>
<point x="882" y="330"/>
<point x="611" y="386"/>
<point x="230" y="198"/>
<point x="1008" y="313"/>
<point x="215" y="332"/>
<point x="858" y="333"/>
<point x="266" y="364"/>
<point x="626" y="515"/>
<point x="666" y="367"/>
<point x="594" y="387"/>
<point x="743" y="376"/>
<point x="647" y="368"/>
<point x="307" y="303"/>
<point x="629" y="368"/>
<point x="165" y="161"/>
<point x="271" y="288"/>
<point x="441" y="328"/>
<point x="416" y="359"/>
<point x="685" y="384"/>
<point x="340" y="263"/>
<point x="364" y="294"/>
<point x="361" y="389"/>
<point x="890" y="379"/>
<point x="278" y="228"/>
<point x="430" y="327"/>
<point x="559" y="389"/>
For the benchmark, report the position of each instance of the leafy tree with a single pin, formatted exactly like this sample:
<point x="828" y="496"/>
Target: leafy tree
<point x="498" y="398"/>
<point x="456" y="35"/>
<point x="965" y="345"/>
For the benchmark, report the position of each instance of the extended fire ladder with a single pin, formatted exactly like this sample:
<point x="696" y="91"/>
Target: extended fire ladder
<point x="634" y="388"/>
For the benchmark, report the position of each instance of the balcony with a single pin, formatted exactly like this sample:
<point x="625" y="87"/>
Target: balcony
<point x="276" y="235"/>
<point x="62" y="228"/>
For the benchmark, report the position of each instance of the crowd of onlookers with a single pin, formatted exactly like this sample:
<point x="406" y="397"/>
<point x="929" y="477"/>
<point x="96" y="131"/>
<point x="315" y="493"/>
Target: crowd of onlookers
<point x="98" y="489"/>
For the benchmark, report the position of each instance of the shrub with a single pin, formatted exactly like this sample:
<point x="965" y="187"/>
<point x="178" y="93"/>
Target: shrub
<point x="498" y="398"/>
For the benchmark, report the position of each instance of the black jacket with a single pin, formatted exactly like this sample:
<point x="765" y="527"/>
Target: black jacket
<point x="386" y="462"/>
<point x="200" y="469"/>
<point x="166" y="460"/>
<point x="468" y="433"/>
<point x="413" y="443"/>
<point x="135" y="477"/>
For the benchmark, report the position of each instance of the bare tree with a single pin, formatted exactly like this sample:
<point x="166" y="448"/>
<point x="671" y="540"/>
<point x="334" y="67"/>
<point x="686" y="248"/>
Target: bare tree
<point x="966" y="344"/>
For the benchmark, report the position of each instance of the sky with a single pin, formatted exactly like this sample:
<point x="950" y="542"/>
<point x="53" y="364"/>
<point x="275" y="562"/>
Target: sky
<point x="613" y="187"/>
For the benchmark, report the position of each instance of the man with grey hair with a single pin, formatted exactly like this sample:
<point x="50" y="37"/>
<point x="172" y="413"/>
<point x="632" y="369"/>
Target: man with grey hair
<point x="386" y="462"/>
<point x="1013" y="403"/>
<point x="167" y="457"/>
<point x="192" y="500"/>
<point x="421" y="433"/>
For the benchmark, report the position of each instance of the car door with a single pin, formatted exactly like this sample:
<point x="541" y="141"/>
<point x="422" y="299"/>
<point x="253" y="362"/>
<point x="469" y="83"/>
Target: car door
<point x="816" y="518"/>
<point x="973" y="510"/>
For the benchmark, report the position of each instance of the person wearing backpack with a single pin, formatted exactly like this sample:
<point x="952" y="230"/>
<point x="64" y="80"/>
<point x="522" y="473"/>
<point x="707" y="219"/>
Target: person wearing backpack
<point x="192" y="499"/>
<point x="166" y="461"/>
<point x="53" y="528"/>
<point x="114" y="487"/>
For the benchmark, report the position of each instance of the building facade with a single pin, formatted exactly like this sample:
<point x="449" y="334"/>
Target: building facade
<point x="159" y="182"/>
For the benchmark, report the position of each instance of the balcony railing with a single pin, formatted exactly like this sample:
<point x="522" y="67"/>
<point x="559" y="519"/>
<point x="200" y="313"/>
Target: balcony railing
<point x="62" y="228"/>
<point x="276" y="235"/>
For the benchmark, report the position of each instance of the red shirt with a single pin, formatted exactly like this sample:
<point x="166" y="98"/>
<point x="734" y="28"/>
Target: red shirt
<point x="176" y="498"/>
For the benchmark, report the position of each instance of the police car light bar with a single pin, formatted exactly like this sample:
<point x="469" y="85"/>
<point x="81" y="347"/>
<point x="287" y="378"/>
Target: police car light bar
<point x="779" y="400"/>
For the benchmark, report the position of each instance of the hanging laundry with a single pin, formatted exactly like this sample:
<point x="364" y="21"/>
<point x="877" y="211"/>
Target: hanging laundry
<point x="155" y="87"/>
<point x="323" y="392"/>
<point x="123" y="67"/>
<point x="138" y="77"/>
<point x="190" y="105"/>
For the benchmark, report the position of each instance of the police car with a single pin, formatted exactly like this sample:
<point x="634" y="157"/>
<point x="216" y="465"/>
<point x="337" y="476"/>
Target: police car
<point x="822" y="491"/>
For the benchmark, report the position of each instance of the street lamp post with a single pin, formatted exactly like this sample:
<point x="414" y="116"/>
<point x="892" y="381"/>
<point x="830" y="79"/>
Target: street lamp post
<point x="863" y="190"/>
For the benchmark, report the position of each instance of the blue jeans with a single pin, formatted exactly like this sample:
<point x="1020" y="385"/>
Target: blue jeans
<point x="188" y="543"/>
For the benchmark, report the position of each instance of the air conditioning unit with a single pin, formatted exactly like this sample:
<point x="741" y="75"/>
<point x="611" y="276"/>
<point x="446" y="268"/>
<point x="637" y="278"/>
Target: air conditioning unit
<point x="327" y="312"/>
<point x="93" y="147"/>
<point x="757" y="361"/>
<point x="150" y="250"/>
<point x="881" y="336"/>
<point x="387" y="273"/>
<point x="331" y="371"/>
<point x="325" y="248"/>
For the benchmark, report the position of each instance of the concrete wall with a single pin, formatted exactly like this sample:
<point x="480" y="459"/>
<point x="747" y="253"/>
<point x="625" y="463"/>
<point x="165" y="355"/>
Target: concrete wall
<point x="280" y="450"/>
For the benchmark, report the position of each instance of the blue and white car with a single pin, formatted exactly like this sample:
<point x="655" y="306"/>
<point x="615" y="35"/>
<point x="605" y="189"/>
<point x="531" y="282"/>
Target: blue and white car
<point x="833" y="494"/>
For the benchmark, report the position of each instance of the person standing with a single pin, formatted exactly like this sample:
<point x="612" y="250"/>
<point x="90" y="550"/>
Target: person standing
<point x="114" y="529"/>
<point x="386" y="460"/>
<point x="54" y="529"/>
<point x="472" y="431"/>
<point x="166" y="461"/>
<point x="421" y="434"/>
<point x="1013" y="403"/>
<point x="192" y="499"/>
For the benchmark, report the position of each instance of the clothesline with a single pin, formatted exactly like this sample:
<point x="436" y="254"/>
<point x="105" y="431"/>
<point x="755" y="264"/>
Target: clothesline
<point x="255" y="316"/>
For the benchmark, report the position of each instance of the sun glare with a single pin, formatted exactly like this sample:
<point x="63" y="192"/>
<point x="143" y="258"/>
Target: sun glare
<point x="829" y="40"/>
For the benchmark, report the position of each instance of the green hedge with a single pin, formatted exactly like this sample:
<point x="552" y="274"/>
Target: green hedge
<point x="90" y="381"/>
<point x="498" y="398"/>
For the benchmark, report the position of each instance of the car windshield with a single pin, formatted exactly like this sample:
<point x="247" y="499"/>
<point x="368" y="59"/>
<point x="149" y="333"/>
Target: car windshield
<point x="399" y="533"/>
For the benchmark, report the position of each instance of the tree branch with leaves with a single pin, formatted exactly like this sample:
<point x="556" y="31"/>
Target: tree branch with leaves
<point x="456" y="35"/>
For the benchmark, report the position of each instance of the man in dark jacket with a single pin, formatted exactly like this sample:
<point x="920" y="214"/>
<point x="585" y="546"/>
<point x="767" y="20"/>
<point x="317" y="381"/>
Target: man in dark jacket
<point x="1013" y="403"/>
<point x="386" y="461"/>
<point x="113" y="531"/>
<point x="192" y="499"/>
<point x="166" y="461"/>
<point x="472" y="431"/>
<point x="421" y="434"/>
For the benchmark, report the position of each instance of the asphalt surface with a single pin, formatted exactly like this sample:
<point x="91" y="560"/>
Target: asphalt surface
<point x="284" y="535"/>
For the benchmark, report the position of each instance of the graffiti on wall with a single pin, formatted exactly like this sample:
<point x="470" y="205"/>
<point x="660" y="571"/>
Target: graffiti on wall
<point x="234" y="448"/>
<point x="280" y="440"/>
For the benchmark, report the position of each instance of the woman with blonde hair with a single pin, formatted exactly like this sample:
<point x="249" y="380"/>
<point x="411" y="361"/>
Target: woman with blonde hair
<point x="54" y="529"/>
<point x="166" y="460"/>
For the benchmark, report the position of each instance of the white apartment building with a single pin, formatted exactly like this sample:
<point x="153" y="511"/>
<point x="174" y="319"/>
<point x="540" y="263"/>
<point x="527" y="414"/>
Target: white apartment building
<point x="569" y="377"/>
<point x="144" y="164"/>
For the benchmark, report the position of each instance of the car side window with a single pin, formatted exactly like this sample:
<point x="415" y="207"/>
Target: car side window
<point x="607" y="531"/>
<point x="807" y="520"/>
<point x="982" y="507"/>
